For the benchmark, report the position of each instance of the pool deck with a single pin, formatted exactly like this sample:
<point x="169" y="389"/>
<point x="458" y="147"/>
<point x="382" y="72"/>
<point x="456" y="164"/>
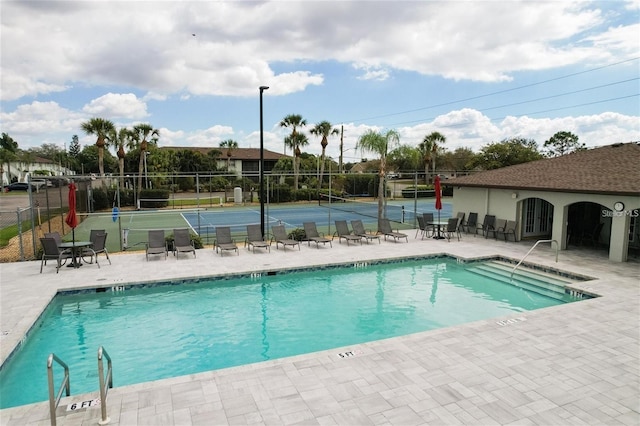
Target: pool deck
<point x="571" y="364"/>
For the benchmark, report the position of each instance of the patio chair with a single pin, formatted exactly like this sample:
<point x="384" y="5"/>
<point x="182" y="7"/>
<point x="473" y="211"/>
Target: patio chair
<point x="452" y="228"/>
<point x="156" y="244"/>
<point x="55" y="235"/>
<point x="255" y="238"/>
<point x="311" y="231"/>
<point x="488" y="225"/>
<point x="98" y="240"/>
<point x="182" y="243"/>
<point x="384" y="228"/>
<point x="360" y="231"/>
<point x="460" y="217"/>
<point x="430" y="228"/>
<point x="342" y="231"/>
<point x="509" y="228"/>
<point x="50" y="251"/>
<point x="223" y="241"/>
<point x="280" y="237"/>
<point x="594" y="236"/>
<point x="500" y="225"/>
<point x="471" y="223"/>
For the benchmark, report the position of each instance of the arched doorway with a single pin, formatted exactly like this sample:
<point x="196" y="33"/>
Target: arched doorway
<point x="537" y="218"/>
<point x="587" y="225"/>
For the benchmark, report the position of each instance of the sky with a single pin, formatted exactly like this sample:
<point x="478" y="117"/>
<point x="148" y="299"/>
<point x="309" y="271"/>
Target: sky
<point x="476" y="71"/>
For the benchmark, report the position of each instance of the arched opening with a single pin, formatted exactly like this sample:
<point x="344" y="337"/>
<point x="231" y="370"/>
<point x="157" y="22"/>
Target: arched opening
<point x="587" y="225"/>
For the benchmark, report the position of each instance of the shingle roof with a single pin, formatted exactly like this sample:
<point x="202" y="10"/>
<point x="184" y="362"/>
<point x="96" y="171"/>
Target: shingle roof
<point x="236" y="153"/>
<point x="611" y="169"/>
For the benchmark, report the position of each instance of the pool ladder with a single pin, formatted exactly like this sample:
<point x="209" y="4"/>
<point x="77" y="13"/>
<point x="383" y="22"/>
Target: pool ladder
<point x="105" y="384"/>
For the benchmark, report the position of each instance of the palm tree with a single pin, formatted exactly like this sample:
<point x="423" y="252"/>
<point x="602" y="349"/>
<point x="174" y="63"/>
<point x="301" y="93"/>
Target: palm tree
<point x="378" y="143"/>
<point x="120" y="138"/>
<point x="139" y="136"/>
<point x="102" y="129"/>
<point x="324" y="129"/>
<point x="429" y="148"/>
<point x="230" y="144"/>
<point x="295" y="141"/>
<point x="294" y="121"/>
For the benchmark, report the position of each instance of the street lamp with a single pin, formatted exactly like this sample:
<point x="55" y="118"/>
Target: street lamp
<point x="262" y="195"/>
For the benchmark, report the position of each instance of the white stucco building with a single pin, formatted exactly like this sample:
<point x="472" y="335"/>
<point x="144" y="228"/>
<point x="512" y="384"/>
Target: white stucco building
<point x="564" y="198"/>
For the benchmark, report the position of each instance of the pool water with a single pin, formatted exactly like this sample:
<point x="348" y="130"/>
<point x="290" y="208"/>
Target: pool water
<point x="166" y="331"/>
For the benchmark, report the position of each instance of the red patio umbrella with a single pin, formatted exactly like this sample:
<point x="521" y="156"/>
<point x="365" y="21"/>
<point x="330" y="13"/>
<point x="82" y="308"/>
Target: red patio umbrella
<point x="72" y="219"/>
<point x="438" y="191"/>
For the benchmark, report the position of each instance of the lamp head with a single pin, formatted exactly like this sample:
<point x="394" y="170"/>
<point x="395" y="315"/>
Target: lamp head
<point x="263" y="88"/>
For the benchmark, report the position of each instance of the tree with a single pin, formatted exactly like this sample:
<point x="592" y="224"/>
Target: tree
<point x="379" y="144"/>
<point x="139" y="136"/>
<point x="563" y="143"/>
<point x="324" y="129"/>
<point x="461" y="159"/>
<point x="295" y="141"/>
<point x="230" y="144"/>
<point x="507" y="153"/>
<point x="405" y="157"/>
<point x="73" y="152"/>
<point x="89" y="160"/>
<point x="8" y="153"/>
<point x="101" y="128"/>
<point x="429" y="149"/>
<point x="294" y="121"/>
<point x="121" y="139"/>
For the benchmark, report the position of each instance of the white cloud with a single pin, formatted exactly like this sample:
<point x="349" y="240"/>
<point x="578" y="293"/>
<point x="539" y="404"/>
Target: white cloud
<point x="117" y="105"/>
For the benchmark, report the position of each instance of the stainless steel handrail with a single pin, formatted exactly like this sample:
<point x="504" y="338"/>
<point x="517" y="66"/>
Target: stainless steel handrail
<point x="529" y="252"/>
<point x="105" y="384"/>
<point x="54" y="401"/>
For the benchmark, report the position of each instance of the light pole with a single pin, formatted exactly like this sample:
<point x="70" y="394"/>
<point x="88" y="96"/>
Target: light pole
<point x="262" y="195"/>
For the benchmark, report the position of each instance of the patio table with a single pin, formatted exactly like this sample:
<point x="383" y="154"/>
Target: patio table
<point x="438" y="224"/>
<point x="76" y="248"/>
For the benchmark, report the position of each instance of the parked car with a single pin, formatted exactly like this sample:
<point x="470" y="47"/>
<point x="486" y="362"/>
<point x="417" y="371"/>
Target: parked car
<point x="40" y="183"/>
<point x="18" y="186"/>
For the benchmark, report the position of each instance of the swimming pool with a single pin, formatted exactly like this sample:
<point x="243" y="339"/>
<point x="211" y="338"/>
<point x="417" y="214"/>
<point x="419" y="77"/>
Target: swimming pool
<point x="155" y="332"/>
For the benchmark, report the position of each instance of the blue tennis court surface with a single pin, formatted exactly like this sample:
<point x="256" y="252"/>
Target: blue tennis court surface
<point x="293" y="216"/>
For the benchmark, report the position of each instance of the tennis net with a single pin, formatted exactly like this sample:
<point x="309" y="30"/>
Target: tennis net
<point x="392" y="212"/>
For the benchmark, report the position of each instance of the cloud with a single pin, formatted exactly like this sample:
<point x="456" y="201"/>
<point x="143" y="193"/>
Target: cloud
<point x="114" y="105"/>
<point x="150" y="45"/>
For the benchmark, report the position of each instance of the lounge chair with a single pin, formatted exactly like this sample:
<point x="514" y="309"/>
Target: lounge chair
<point x="182" y="242"/>
<point x="471" y="223"/>
<point x="342" y="231"/>
<point x="98" y="240"/>
<point x="224" y="241"/>
<point x="255" y="238"/>
<point x="488" y="225"/>
<point x="311" y="231"/>
<point x="280" y="237"/>
<point x="360" y="231"/>
<point x="452" y="228"/>
<point x="384" y="228"/>
<point x="156" y="243"/>
<point x="50" y="251"/>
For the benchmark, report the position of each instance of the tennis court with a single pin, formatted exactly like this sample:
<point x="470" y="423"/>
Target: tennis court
<point x="136" y="224"/>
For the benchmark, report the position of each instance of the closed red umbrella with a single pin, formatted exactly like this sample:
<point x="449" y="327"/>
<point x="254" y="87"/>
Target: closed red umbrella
<point x="438" y="191"/>
<point x="72" y="219"/>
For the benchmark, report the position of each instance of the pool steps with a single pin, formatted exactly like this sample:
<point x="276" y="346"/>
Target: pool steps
<point x="540" y="282"/>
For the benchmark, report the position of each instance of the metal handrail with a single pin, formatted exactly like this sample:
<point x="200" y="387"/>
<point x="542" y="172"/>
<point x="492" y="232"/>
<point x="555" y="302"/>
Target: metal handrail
<point x="54" y="401"/>
<point x="529" y="252"/>
<point x="105" y="384"/>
